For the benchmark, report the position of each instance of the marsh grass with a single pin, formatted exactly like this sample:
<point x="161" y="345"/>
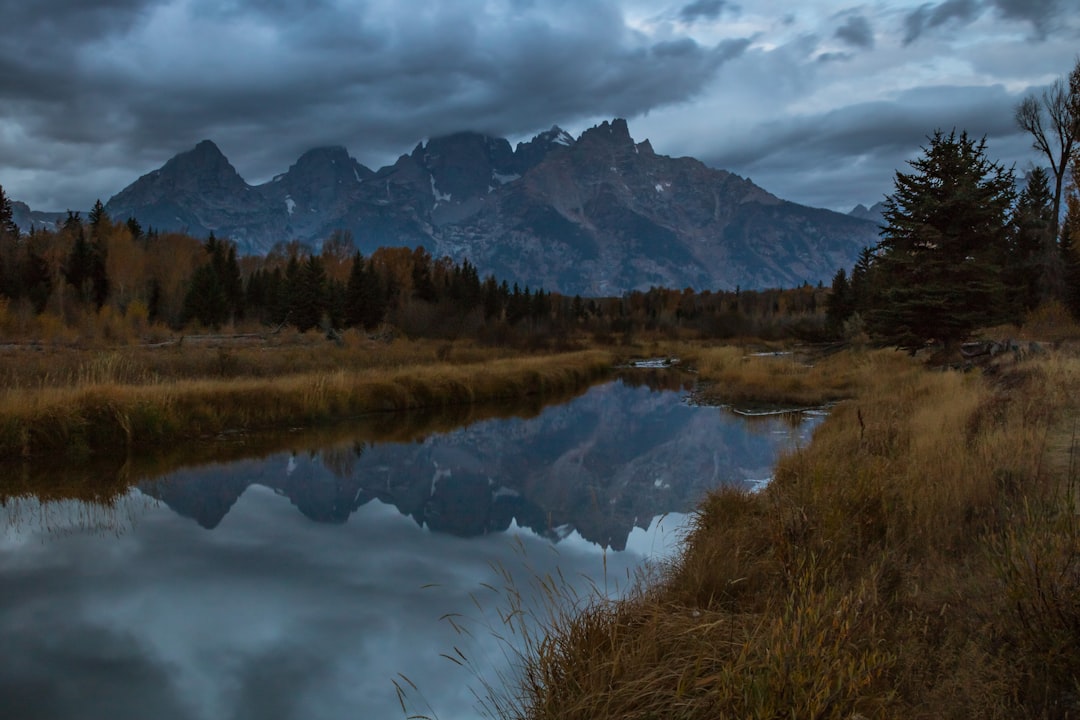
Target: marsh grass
<point x="734" y="375"/>
<point x="116" y="401"/>
<point x="919" y="559"/>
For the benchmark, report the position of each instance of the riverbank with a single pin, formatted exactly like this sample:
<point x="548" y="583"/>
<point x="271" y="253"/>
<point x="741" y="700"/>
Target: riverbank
<point x="75" y="404"/>
<point x="66" y="403"/>
<point x="918" y="559"/>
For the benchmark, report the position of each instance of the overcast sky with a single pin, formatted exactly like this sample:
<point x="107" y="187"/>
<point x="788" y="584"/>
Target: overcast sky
<point x="818" y="101"/>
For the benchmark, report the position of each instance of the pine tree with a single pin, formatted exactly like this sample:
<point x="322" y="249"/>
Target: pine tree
<point x="354" y="292"/>
<point x="840" y="303"/>
<point x="36" y="279"/>
<point x="309" y="301"/>
<point x="491" y="298"/>
<point x="944" y="242"/>
<point x="98" y="219"/>
<point x="232" y="282"/>
<point x="1034" y="271"/>
<point x="7" y="217"/>
<point x="1070" y="261"/>
<point x="205" y="300"/>
<point x="135" y="228"/>
<point x="79" y="267"/>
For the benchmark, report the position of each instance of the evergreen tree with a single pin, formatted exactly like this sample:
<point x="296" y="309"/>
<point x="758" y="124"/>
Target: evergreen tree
<point x="290" y="289"/>
<point x="7" y="217"/>
<point x="861" y="281"/>
<point x="492" y="304"/>
<point x="276" y="292"/>
<point x="232" y="282"/>
<point x="466" y="291"/>
<point x="840" y="303"/>
<point x="36" y="280"/>
<point x="309" y="298"/>
<point x="1070" y="261"/>
<point x="423" y="285"/>
<point x="335" y="303"/>
<point x="355" y="290"/>
<point x="577" y="308"/>
<point x="205" y="300"/>
<point x="98" y="219"/>
<point x="135" y="228"/>
<point x="517" y="306"/>
<point x="944" y="242"/>
<point x="79" y="268"/>
<point x="153" y="305"/>
<point x="1034" y="270"/>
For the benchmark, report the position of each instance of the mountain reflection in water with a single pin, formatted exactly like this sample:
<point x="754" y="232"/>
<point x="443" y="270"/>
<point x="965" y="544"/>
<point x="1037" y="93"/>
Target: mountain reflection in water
<point x="603" y="464"/>
<point x="125" y="608"/>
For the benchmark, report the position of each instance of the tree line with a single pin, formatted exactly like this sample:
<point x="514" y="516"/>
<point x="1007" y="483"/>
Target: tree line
<point x="94" y="267"/>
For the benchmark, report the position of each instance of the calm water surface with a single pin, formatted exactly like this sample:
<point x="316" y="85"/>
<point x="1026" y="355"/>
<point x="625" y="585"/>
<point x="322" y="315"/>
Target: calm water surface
<point x="302" y="584"/>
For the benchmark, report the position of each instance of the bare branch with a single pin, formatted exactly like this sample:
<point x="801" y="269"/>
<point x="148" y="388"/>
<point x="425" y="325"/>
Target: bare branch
<point x="1053" y="120"/>
<point x="1029" y="116"/>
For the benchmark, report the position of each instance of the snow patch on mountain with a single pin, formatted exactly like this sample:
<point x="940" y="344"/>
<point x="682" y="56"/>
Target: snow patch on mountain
<point x="439" y="197"/>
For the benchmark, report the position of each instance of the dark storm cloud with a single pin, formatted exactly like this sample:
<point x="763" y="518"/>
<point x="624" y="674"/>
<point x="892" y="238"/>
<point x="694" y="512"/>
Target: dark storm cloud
<point x="1040" y="13"/>
<point x="852" y="153"/>
<point x="930" y="16"/>
<point x="856" y="31"/>
<point x="708" y="9"/>
<point x="268" y="79"/>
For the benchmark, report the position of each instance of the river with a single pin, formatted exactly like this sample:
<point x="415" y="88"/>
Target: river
<point x="307" y="580"/>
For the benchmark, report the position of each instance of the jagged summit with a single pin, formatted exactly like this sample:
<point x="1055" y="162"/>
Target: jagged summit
<point x="599" y="214"/>
<point x="874" y="213"/>
<point x="207" y="148"/>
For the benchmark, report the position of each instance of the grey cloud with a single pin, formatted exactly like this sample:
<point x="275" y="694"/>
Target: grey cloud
<point x="851" y="154"/>
<point x="1040" y="13"/>
<point x="834" y="57"/>
<point x="856" y="31"/>
<point x="708" y="9"/>
<point x="374" y="81"/>
<point x="929" y="16"/>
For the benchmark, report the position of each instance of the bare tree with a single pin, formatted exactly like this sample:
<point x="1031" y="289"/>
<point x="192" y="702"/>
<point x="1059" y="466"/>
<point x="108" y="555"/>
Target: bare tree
<point x="1053" y="120"/>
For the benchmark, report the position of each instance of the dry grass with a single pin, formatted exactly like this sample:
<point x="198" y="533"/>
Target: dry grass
<point x="920" y="559"/>
<point x="141" y="397"/>
<point x="738" y="376"/>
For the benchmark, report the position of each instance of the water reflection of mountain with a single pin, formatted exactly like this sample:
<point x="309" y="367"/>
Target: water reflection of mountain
<point x="602" y="464"/>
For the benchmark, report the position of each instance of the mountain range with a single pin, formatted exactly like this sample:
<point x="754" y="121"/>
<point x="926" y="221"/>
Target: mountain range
<point x="599" y="214"/>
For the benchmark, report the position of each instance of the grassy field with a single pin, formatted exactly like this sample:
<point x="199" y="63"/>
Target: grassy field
<point x="919" y="559"/>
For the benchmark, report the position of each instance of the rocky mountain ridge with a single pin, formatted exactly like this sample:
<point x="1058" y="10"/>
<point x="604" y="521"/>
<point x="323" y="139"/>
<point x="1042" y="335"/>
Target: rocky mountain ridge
<point x="597" y="215"/>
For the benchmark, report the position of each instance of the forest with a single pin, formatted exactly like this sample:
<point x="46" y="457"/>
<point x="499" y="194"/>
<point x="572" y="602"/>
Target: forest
<point x="99" y="279"/>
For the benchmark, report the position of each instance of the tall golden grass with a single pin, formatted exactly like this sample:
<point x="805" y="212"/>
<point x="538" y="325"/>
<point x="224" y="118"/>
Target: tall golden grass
<point x="919" y="559"/>
<point x="737" y="375"/>
<point x="118" y="401"/>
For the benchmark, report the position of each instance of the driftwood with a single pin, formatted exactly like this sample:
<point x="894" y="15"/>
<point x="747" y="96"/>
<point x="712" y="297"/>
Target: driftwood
<point x="986" y="350"/>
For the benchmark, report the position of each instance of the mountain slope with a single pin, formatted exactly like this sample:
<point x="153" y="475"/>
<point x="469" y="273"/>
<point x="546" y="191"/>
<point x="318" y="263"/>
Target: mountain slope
<point x="597" y="215"/>
<point x="608" y="215"/>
